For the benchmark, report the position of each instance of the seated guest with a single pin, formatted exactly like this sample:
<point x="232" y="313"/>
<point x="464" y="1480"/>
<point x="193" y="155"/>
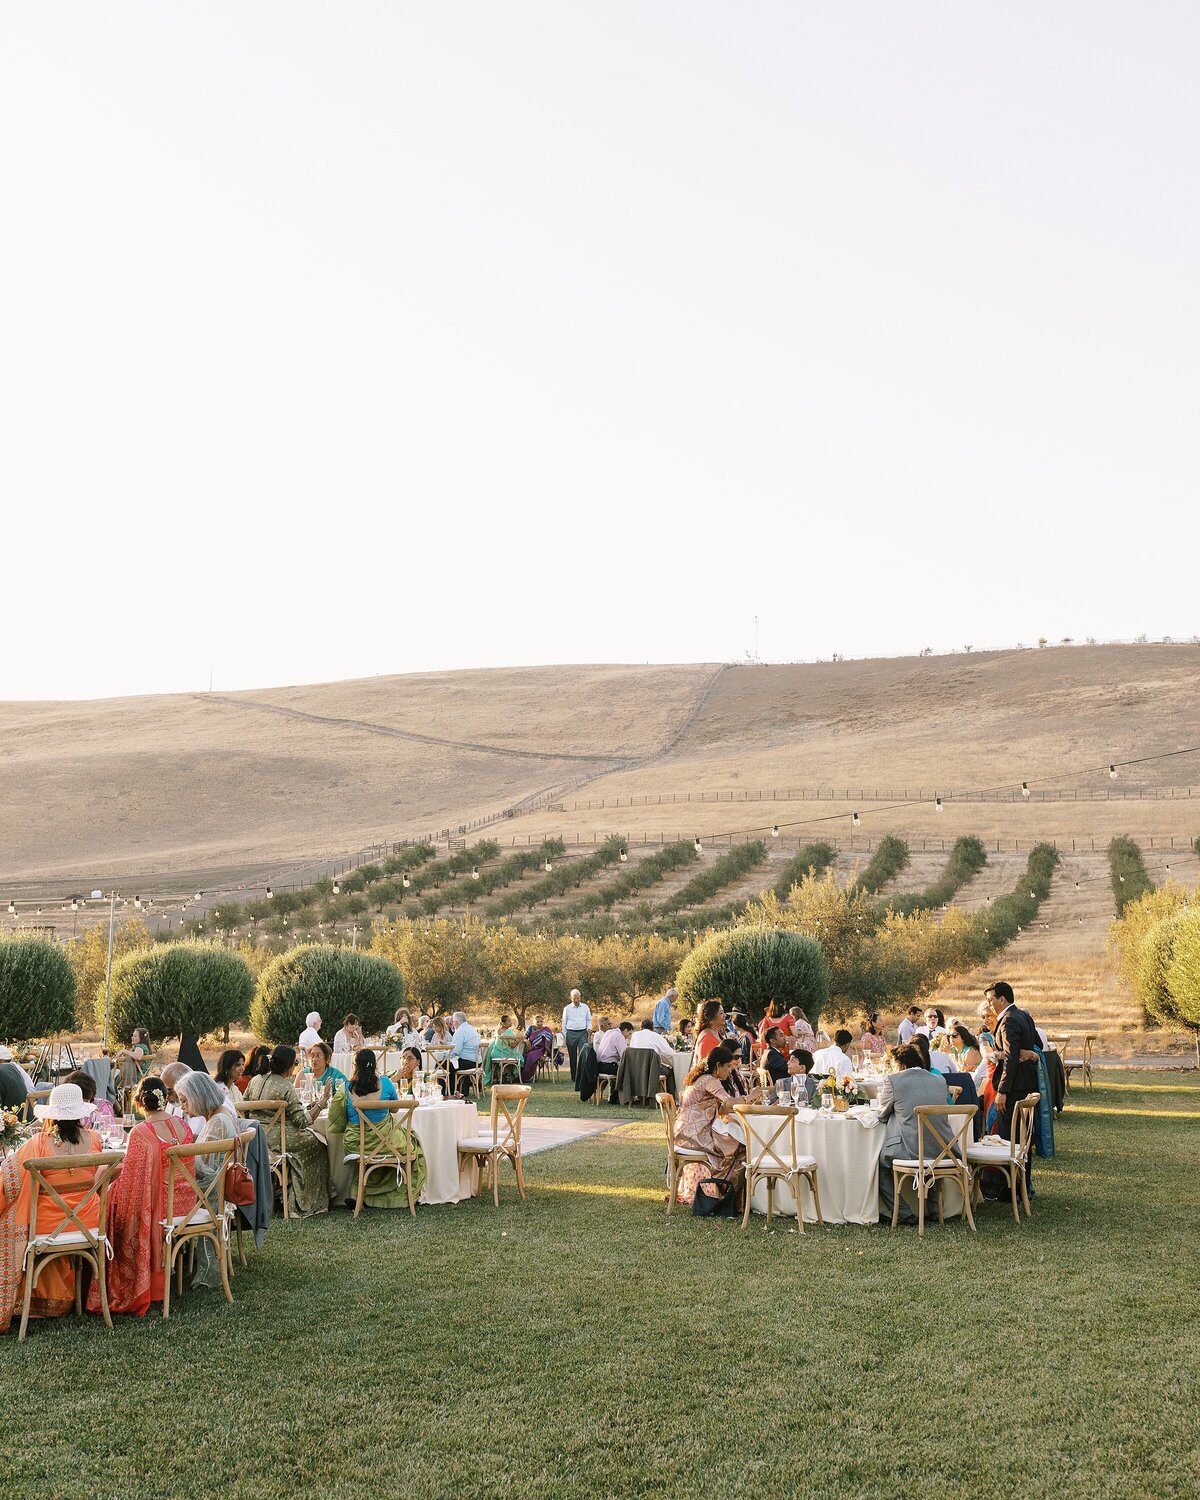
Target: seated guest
<point x="932" y="1058"/>
<point x="308" y="1157"/>
<point x="647" y="1037"/>
<point x="464" y="1052"/>
<point x="402" y="1025"/>
<point x="137" y="1203"/>
<point x="710" y="1028"/>
<point x="966" y="1048"/>
<point x="899" y="1095"/>
<point x="102" y="1115"/>
<point x="411" y="1063"/>
<point x="909" y="1025"/>
<point x="705" y="1101"/>
<point x="609" y="1043"/>
<point x="258" y="1065"/>
<point x="935" y="1023"/>
<point x="436" y="1033"/>
<point x="203" y="1097"/>
<point x="835" y="1059"/>
<point x="228" y="1075"/>
<point x="685" y="1038"/>
<point x="312" y="1031"/>
<point x="171" y="1075"/>
<point x="62" y="1134"/>
<point x="15" y="1083"/>
<point x="539" y="1044"/>
<point x="773" y="1060"/>
<point x="745" y="1038"/>
<point x="326" y="1077"/>
<point x="802" y="1033"/>
<point x="349" y="1037"/>
<point x="871" y="1041"/>
<point x="507" y="1044"/>
<point x="381" y="1189"/>
<point x="800" y="1065"/>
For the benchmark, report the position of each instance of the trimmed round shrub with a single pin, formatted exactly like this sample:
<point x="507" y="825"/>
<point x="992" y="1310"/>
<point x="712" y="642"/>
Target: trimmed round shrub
<point x="185" y="989"/>
<point x="37" y="990"/>
<point x="333" y="981"/>
<point x="752" y="965"/>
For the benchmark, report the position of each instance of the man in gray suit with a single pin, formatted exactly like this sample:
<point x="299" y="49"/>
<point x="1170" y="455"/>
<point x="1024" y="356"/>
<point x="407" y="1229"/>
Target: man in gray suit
<point x="899" y="1095"/>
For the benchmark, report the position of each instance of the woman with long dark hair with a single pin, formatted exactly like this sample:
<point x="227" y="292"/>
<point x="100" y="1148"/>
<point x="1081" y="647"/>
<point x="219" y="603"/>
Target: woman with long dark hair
<point x="384" y="1189"/>
<point x="705" y="1101"/>
<point x="308" y="1159"/>
<point x="258" y="1065"/>
<point x="710" y="1028"/>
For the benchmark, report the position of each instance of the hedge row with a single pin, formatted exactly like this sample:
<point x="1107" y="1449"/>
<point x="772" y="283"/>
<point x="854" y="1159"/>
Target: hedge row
<point x="37" y="989"/>
<point x="812" y="859"/>
<point x="646" y="873"/>
<point x="1130" y="882"/>
<point x="884" y="865"/>
<point x="731" y="867"/>
<point x="512" y="868"/>
<point x="1000" y="922"/>
<point x="562" y="878"/>
<point x="966" y="860"/>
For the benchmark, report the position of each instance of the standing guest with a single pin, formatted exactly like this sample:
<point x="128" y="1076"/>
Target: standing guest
<point x="137" y="1203"/>
<point x="777" y="1015"/>
<point x="576" y="1024"/>
<point x="326" y="1078"/>
<point x="802" y="1034"/>
<point x="464" y="1052"/>
<point x="15" y="1083"/>
<point x="609" y="1044"/>
<point x="349" y="1037"/>
<point x="1016" y="1053"/>
<point x="835" y="1059"/>
<point x="710" y="1028"/>
<point x="773" y="1059"/>
<point x="899" y="1095"/>
<point x="258" y="1064"/>
<point x="744" y="1038"/>
<point x="308" y="1157"/>
<point x="62" y="1134"/>
<point x="312" y="1031"/>
<point x="909" y="1025"/>
<point x="871" y="1041"/>
<point x="661" y="1019"/>
<point x="229" y="1075"/>
<point x="705" y="1101"/>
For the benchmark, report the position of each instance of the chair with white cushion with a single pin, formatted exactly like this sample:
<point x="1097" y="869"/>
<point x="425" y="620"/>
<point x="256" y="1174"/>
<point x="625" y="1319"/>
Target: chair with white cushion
<point x="207" y="1218"/>
<point x="270" y="1112"/>
<point x="376" y="1152"/>
<point x="502" y="1140"/>
<point x="771" y="1159"/>
<point x="1009" y="1156"/>
<point x="678" y="1157"/>
<point x="87" y="1181"/>
<point x="931" y="1169"/>
<point x="1083" y="1063"/>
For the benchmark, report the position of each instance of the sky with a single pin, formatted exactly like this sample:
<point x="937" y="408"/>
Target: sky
<point x="339" y="340"/>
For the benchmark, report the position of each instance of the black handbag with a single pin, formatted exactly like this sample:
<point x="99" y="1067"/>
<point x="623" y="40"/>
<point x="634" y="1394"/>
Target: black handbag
<point x="715" y="1200"/>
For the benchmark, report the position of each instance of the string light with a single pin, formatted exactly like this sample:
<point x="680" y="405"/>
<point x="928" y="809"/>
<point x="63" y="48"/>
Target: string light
<point x="1024" y="789"/>
<point x="12" y="908"/>
<point x="270" y="893"/>
<point x="624" y="856"/>
<point x="405" y="881"/>
<point x="547" y="867"/>
<point x="1112" y="771"/>
<point x="937" y="804"/>
<point x="697" y="845"/>
<point x="337" y="889"/>
<point x="775" y="831"/>
<point x="855" y="819"/>
<point x="474" y="872"/>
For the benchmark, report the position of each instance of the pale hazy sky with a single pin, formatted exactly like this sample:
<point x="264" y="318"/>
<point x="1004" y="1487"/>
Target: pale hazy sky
<point x="352" y="338"/>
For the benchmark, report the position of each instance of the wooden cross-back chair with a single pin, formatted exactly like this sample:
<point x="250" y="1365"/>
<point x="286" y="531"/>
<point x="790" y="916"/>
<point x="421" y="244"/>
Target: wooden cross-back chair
<point x="437" y="1061"/>
<point x="947" y="1163"/>
<point x="678" y="1157"/>
<point x="208" y="1216"/>
<point x="377" y="1152"/>
<point x="72" y="1239"/>
<point x="1083" y="1063"/>
<point x="767" y="1161"/>
<point x="272" y="1112"/>
<point x="1008" y="1156"/>
<point x="503" y="1139"/>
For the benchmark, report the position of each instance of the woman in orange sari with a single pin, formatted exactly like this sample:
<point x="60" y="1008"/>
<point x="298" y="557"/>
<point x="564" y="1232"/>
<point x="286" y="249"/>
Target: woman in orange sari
<point x="62" y="1135"/>
<point x="138" y="1203"/>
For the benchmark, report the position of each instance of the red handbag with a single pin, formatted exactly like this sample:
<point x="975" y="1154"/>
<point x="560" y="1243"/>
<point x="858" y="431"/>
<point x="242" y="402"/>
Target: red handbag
<point x="239" y="1185"/>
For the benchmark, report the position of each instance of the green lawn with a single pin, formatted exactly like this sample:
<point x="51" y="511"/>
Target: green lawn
<point x="584" y="1344"/>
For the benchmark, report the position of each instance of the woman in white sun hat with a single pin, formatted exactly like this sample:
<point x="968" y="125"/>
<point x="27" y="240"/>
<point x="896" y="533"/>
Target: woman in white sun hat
<point x="64" y="1134"/>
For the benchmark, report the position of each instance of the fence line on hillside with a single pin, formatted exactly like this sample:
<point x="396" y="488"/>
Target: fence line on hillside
<point x="884" y="794"/>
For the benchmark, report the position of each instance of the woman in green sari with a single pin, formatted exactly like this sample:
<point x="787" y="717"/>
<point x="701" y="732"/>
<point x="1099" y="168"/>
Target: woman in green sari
<point x="384" y="1187"/>
<point x="508" y="1043"/>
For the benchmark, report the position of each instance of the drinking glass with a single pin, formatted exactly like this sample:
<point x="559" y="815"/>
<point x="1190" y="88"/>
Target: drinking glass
<point x="826" y="1103"/>
<point x="797" y="1089"/>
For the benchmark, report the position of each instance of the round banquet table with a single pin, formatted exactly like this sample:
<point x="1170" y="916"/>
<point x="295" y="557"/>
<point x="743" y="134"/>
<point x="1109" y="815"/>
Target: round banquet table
<point x="439" y="1126"/>
<point x="847" y="1156"/>
<point x="344" y="1061"/>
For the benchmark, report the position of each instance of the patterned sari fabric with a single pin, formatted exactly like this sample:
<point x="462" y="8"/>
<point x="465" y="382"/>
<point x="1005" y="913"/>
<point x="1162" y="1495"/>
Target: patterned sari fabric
<point x="137" y="1204"/>
<point x="504" y="1046"/>
<point x="539" y="1045"/>
<point x="308" y="1158"/>
<point x="54" y="1290"/>
<point x="726" y="1155"/>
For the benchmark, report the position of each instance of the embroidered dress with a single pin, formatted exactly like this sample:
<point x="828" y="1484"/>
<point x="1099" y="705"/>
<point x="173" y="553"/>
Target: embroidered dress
<point x="694" y="1129"/>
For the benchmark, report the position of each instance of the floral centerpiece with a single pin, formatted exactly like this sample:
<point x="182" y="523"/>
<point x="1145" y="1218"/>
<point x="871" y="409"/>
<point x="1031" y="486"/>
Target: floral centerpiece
<point x="843" y="1091"/>
<point x="12" y="1130"/>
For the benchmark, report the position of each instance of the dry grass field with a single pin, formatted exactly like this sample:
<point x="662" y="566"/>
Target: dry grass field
<point x="216" y="790"/>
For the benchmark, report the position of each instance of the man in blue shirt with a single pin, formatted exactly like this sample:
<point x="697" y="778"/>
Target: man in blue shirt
<point x="464" y="1049"/>
<point x="662" y="1012"/>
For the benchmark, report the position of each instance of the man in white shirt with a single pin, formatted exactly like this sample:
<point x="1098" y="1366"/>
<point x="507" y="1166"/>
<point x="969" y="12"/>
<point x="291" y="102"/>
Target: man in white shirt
<point x="312" y="1031"/>
<point x="835" y="1059"/>
<point x="610" y="1043"/>
<point x="910" y="1025"/>
<point x="649" y="1037"/>
<point x="576" y="1024"/>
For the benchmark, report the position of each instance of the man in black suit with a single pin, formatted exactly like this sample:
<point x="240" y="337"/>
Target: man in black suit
<point x="1017" y="1075"/>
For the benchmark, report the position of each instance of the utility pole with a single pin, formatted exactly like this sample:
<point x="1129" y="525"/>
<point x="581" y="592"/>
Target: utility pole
<point x="112" y="916"/>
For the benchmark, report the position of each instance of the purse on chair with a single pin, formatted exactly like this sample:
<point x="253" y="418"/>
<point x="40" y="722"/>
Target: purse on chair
<point x="239" y="1185"/>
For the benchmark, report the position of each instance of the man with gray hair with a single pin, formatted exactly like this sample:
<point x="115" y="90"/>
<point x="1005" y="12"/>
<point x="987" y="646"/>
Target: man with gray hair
<point x="576" y="1025"/>
<point x="464" y="1049"/>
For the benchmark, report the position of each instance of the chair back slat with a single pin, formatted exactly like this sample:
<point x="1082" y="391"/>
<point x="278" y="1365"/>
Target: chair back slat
<point x="181" y="1162"/>
<point x="762" y="1154"/>
<point x="374" y="1147"/>
<point x="508" y="1107"/>
<point x="98" y="1166"/>
<point x="951" y="1152"/>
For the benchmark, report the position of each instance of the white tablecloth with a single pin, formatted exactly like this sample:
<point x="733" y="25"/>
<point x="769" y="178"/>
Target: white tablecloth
<point x="847" y="1156"/>
<point x="683" y="1066"/>
<point x="438" y="1127"/>
<point x="344" y="1061"/>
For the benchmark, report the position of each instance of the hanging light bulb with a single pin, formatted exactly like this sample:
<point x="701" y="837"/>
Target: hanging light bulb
<point x="697" y="845"/>
<point x="474" y="872"/>
<point x="199" y="895"/>
<point x="1024" y="789"/>
<point x="624" y="855"/>
<point x="855" y="819"/>
<point x="405" y="881"/>
<point x="775" y="831"/>
<point x="270" y="893"/>
<point x="1112" y="771"/>
<point x="937" y="804"/>
<point x="12" y="908"/>
<point x="337" y="888"/>
<point x="1121" y="878"/>
<point x="547" y="867"/>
